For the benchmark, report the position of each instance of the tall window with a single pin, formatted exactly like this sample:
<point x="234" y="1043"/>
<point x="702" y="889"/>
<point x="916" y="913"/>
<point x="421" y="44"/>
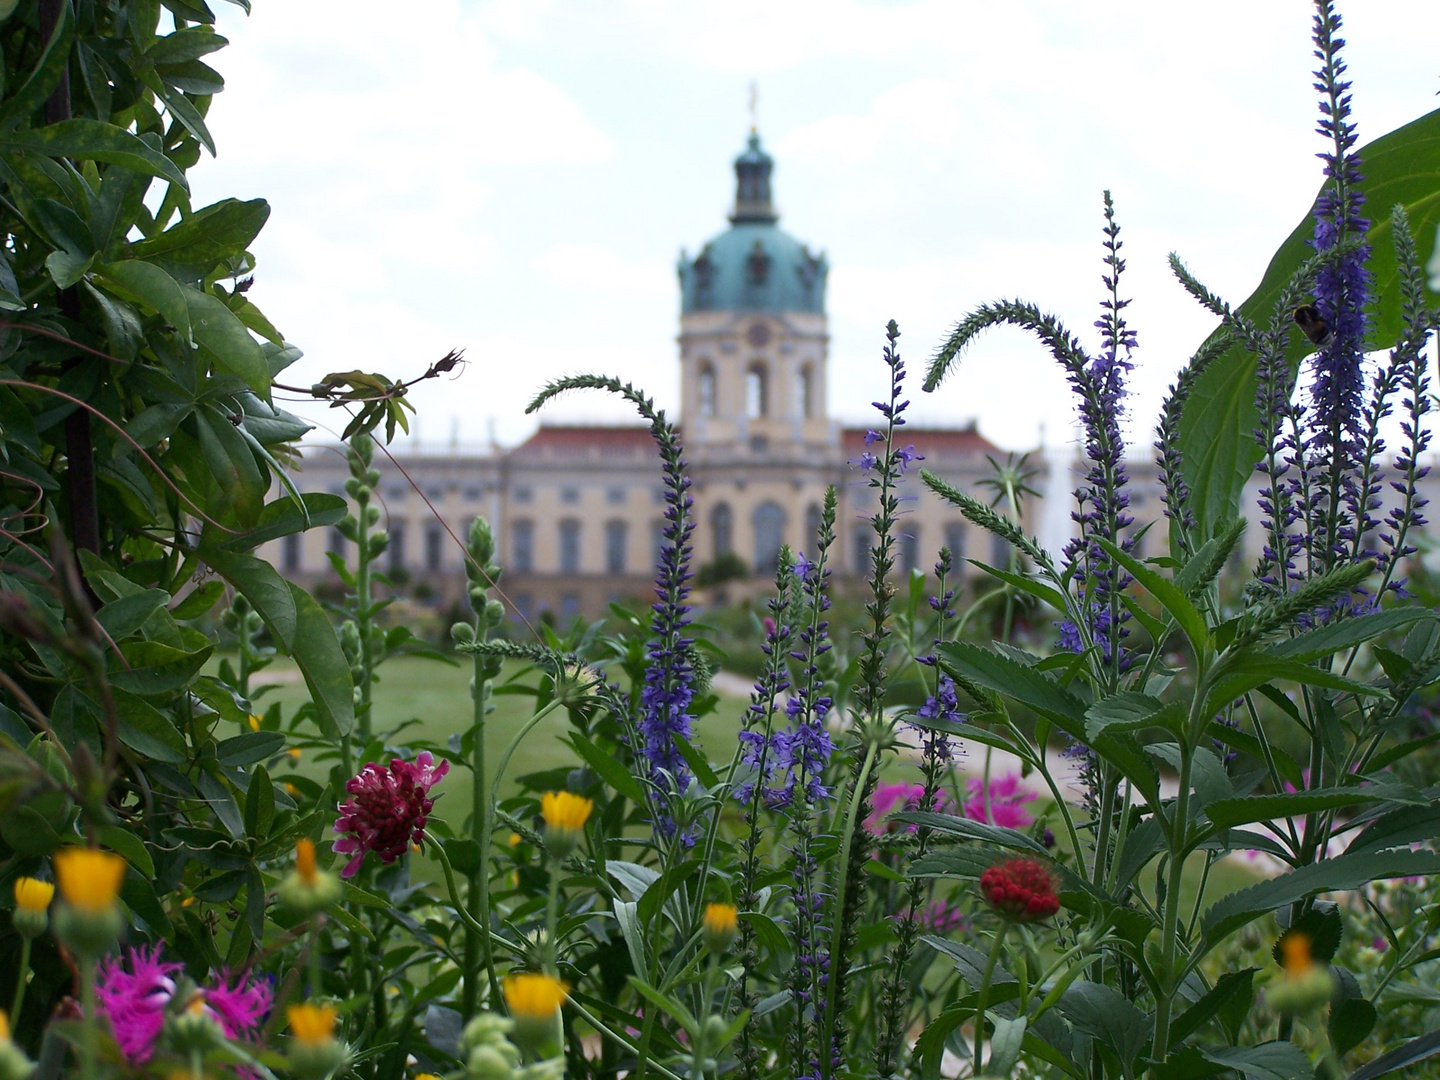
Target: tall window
<point x="569" y="546"/>
<point x="706" y="386"/>
<point x="291" y="551"/>
<point x="810" y="543"/>
<point x="955" y="541"/>
<point x="615" y="547"/>
<point x="757" y="392"/>
<point x="999" y="552"/>
<point x="337" y="541"/>
<point x="657" y="541"/>
<point x="395" y="550"/>
<point x="434" y="545"/>
<point x="803" y="392"/>
<point x="769" y="523"/>
<point x="522" y="546"/>
<point x="722" y="529"/>
<point x="863" y="537"/>
<point x="910" y="550"/>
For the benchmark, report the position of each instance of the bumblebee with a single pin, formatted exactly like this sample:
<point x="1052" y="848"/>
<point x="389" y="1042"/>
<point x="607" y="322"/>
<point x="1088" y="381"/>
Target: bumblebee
<point x="1313" y="326"/>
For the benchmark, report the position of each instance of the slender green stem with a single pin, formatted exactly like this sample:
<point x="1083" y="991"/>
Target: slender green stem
<point x="982" y="998"/>
<point x="19" y="1000"/>
<point x="317" y="984"/>
<point x="552" y="918"/>
<point x="479" y="896"/>
<point x="1169" y="933"/>
<point x="89" y="1049"/>
<point x="837" y="956"/>
<point x="488" y="830"/>
<point x="449" y="873"/>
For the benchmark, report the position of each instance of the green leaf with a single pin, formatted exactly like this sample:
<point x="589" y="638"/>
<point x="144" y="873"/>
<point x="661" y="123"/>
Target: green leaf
<point x="666" y="1004"/>
<point x="1017" y="681"/>
<point x="1035" y="588"/>
<point x="123" y="617"/>
<point x="1346" y="634"/>
<point x="282" y="517"/>
<point x="609" y="768"/>
<point x="249" y="748"/>
<point x="198" y="601"/>
<point x="1398" y="828"/>
<point x="94" y="140"/>
<point x="1217" y="440"/>
<point x="41" y="83"/>
<point x="154" y="668"/>
<point x="191" y="43"/>
<point x="154" y="287"/>
<point x="123" y="842"/>
<point x="971" y="830"/>
<point x="1173" y="599"/>
<point x="259" y="804"/>
<point x="1131" y="710"/>
<point x="1228" y="813"/>
<point x="1107" y="1015"/>
<point x="1403" y="1056"/>
<point x="1232" y="987"/>
<point x="1281" y="1060"/>
<point x="197" y="243"/>
<point x="262" y="585"/>
<point x="67" y="268"/>
<point x="216" y="327"/>
<point x="232" y="466"/>
<point x="1331" y="875"/>
<point x="317" y="653"/>
<point x="147" y="731"/>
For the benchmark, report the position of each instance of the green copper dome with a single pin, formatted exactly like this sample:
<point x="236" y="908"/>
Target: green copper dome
<point x="753" y="265"/>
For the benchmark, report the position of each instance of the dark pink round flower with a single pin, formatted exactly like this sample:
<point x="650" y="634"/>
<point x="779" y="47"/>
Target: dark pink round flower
<point x="387" y="809"/>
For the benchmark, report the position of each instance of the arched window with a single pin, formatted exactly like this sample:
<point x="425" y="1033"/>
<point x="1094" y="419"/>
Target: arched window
<point x="522" y="546"/>
<point x="615" y="547"/>
<point x="769" y="536"/>
<point x="706" y="387"/>
<point x="569" y="546"/>
<point x="757" y="391"/>
<point x="804" y="408"/>
<point x="811" y="542"/>
<point x="722" y="529"/>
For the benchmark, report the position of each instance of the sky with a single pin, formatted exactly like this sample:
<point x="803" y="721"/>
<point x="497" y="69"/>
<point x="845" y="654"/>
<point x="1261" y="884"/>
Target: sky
<point x="518" y="179"/>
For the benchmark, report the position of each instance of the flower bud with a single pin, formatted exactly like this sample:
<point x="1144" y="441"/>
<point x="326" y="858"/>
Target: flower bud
<point x="32" y="903"/>
<point x="194" y="1028"/>
<point x="308" y="889"/>
<point x="14" y="1065"/>
<point x="534" y="1001"/>
<point x="1304" y="985"/>
<point x="462" y="633"/>
<point x="314" y="1050"/>
<point x="565" y="816"/>
<point x="89" y="921"/>
<point x="721" y="924"/>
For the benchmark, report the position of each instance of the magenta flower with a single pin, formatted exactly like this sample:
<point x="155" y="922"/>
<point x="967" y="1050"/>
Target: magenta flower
<point x="387" y="809"/>
<point x="895" y="798"/>
<point x="1004" y="802"/>
<point x="942" y="917"/>
<point x="134" y="1000"/>
<point x="133" y="994"/>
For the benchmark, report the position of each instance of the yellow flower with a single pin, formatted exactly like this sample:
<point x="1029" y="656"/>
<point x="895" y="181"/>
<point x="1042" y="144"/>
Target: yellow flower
<point x="563" y="810"/>
<point x="721" y="923"/>
<point x="5" y="1027"/>
<point x="1295" y="955"/>
<point x="565" y="815"/>
<point x="294" y="753"/>
<point x="32" y="895"/>
<point x="514" y="839"/>
<point x="14" y="1065"/>
<point x="89" y="878"/>
<point x="532" y="996"/>
<point x="426" y="1076"/>
<point x="254" y="722"/>
<point x="305" y="861"/>
<point x="311" y="1025"/>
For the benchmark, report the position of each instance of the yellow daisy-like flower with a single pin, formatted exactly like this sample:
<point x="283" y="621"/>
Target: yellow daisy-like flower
<point x="515" y="839"/>
<point x="565" y="815"/>
<point x="1295" y="955"/>
<point x="533" y="996"/>
<point x="89" y="878"/>
<point x="254" y="722"/>
<point x="721" y="923"/>
<point x="312" y="1025"/>
<point x="426" y="1076"/>
<point x="33" y="895"/>
<point x="562" y="810"/>
<point x="294" y="753"/>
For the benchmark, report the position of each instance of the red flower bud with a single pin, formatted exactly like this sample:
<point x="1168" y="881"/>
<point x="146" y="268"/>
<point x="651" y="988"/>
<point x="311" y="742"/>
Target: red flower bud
<point x="1022" y="890"/>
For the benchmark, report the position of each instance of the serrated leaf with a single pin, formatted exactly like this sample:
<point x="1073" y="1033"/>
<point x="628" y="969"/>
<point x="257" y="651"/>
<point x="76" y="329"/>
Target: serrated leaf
<point x="94" y="140"/>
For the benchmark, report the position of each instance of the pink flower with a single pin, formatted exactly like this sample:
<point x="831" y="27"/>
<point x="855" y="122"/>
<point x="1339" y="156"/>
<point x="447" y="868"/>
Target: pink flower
<point x="134" y="1001"/>
<point x="135" y="994"/>
<point x="894" y="798"/>
<point x="240" y="1008"/>
<point x="943" y="918"/>
<point x="1004" y="800"/>
<point x="387" y="809"/>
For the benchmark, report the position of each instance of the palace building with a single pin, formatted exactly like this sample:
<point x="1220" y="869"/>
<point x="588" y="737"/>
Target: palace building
<point x="578" y="509"/>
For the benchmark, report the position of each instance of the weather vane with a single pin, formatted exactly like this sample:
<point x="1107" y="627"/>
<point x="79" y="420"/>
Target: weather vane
<point x="754" y="100"/>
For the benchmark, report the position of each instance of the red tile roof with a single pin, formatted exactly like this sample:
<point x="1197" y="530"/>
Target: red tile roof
<point x="941" y="442"/>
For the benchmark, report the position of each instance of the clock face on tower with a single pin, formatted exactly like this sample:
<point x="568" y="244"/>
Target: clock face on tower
<point x="758" y="335"/>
